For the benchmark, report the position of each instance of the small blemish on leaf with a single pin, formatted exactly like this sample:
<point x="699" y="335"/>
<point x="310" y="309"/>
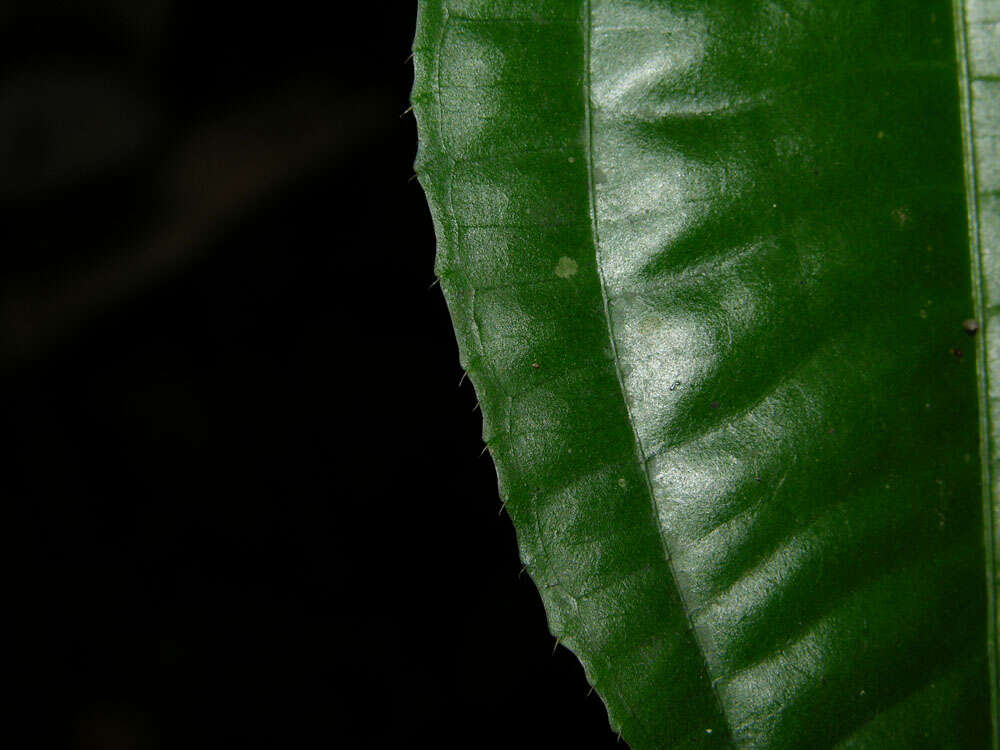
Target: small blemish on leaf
<point x="970" y="326"/>
<point x="535" y="365"/>
<point x="714" y="405"/>
<point x="957" y="353"/>
<point x="901" y="216"/>
<point x="622" y="483"/>
<point x="566" y="267"/>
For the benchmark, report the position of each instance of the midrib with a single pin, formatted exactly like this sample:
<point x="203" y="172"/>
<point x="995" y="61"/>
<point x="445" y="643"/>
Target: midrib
<point x="984" y="279"/>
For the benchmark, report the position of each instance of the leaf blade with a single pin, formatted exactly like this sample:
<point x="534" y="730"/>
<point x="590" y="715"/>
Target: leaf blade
<point x="707" y="385"/>
<point x="568" y="396"/>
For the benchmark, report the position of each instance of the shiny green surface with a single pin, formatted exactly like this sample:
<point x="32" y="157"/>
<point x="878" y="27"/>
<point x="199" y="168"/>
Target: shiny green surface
<point x="708" y="265"/>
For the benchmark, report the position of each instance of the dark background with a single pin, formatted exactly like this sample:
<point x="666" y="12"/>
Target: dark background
<point x="243" y="502"/>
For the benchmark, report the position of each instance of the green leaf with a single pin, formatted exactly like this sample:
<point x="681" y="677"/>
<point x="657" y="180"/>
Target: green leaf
<point x="709" y="265"/>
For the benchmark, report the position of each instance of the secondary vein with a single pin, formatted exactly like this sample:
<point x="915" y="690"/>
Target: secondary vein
<point x="589" y="151"/>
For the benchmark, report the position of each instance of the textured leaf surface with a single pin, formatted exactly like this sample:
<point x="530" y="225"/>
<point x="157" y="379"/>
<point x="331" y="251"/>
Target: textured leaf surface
<point x="708" y="264"/>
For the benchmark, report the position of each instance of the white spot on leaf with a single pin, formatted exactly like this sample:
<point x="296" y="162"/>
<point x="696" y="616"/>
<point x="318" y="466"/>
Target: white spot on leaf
<point x="566" y="267"/>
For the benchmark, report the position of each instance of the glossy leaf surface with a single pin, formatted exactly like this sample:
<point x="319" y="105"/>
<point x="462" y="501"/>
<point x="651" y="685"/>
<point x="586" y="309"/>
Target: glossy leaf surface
<point x="708" y="265"/>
